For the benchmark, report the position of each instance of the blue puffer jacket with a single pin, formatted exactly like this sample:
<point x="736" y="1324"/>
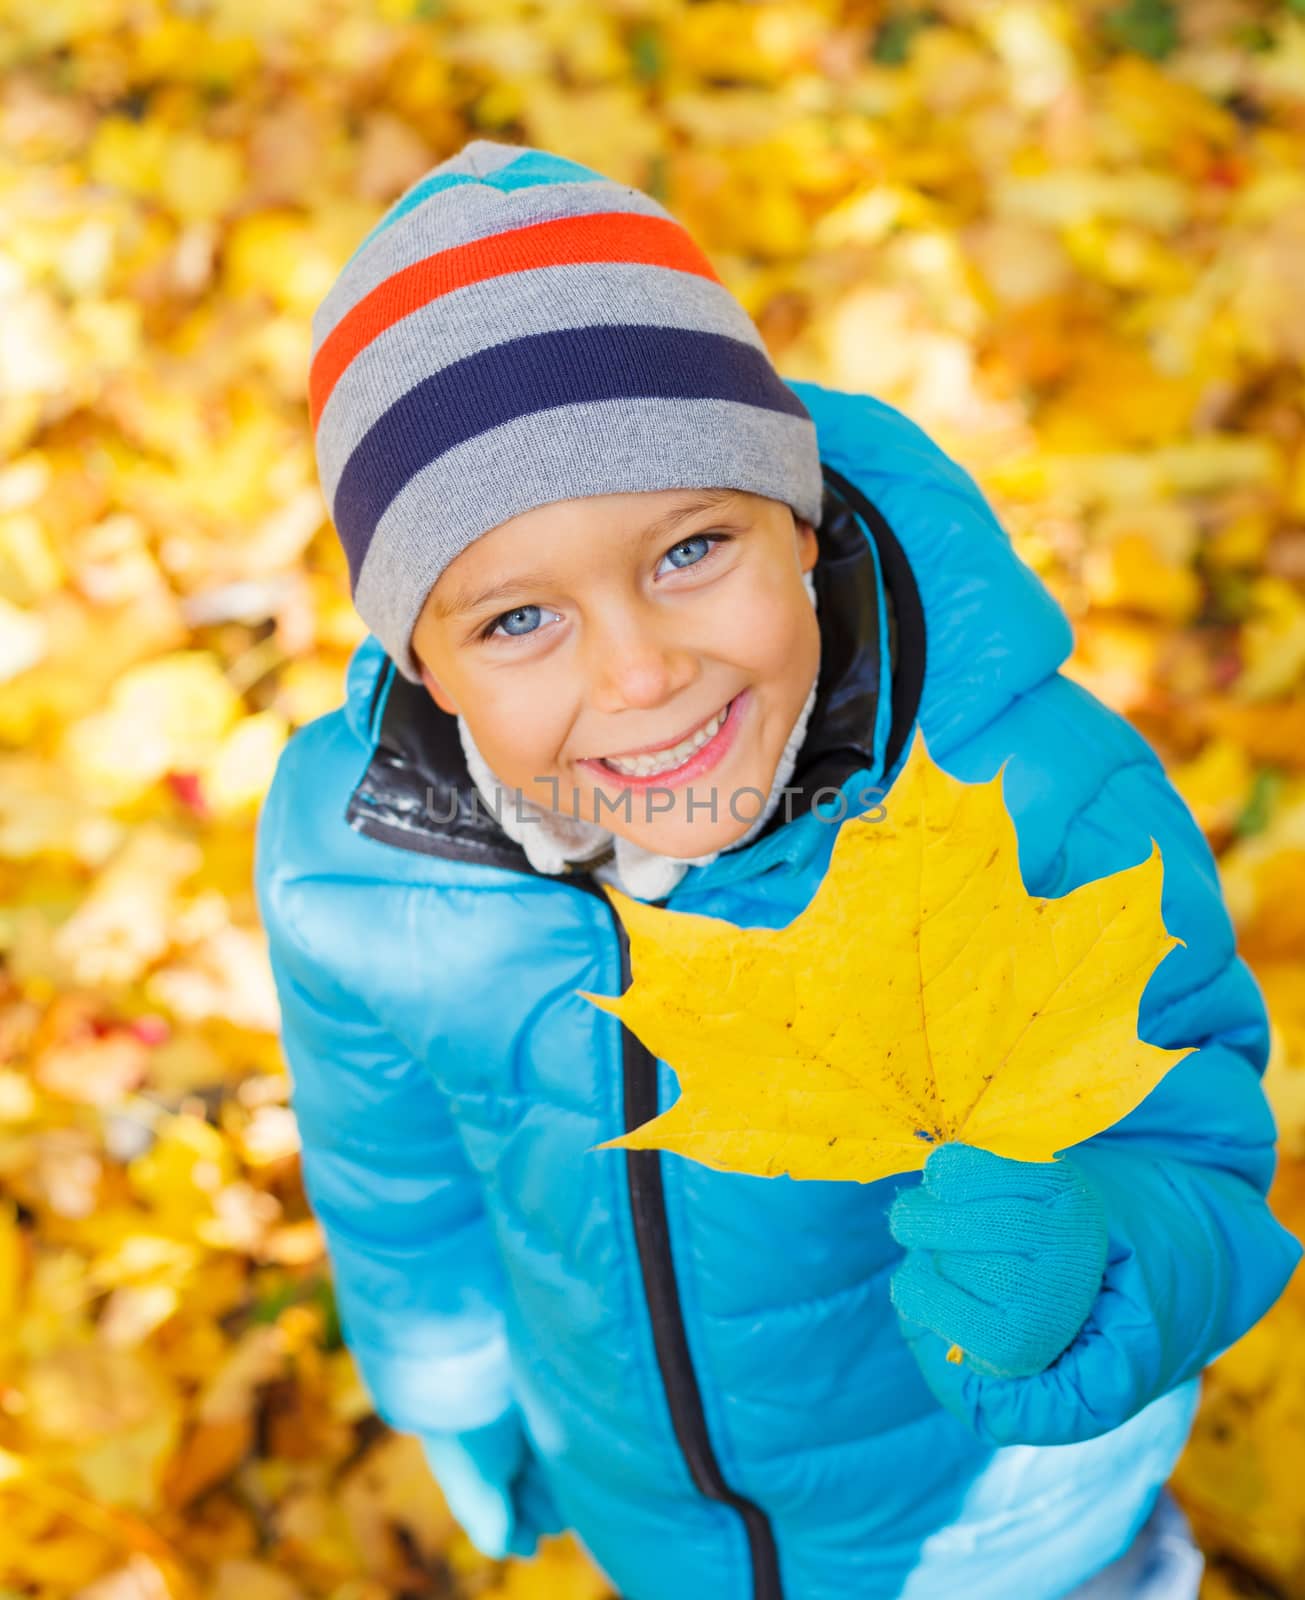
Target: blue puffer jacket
<point x="706" y="1367"/>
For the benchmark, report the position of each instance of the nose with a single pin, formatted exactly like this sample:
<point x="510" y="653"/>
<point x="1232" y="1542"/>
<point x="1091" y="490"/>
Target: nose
<point x="632" y="663"/>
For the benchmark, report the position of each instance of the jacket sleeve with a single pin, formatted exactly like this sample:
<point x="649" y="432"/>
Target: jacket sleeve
<point x="1195" y="1256"/>
<point x="418" y="1278"/>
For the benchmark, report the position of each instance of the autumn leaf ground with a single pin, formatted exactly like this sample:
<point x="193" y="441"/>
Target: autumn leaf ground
<point x="1065" y="238"/>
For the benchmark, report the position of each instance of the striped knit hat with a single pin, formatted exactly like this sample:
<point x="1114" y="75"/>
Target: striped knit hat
<point x="518" y="330"/>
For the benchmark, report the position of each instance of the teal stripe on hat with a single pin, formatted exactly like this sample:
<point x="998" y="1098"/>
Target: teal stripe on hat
<point x="528" y="170"/>
<point x="540" y="166"/>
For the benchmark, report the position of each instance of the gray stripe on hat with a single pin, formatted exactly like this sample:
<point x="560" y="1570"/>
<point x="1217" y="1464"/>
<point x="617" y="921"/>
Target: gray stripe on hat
<point x="608" y="447"/>
<point x="482" y="157"/>
<point x="461" y="216"/>
<point x="543" y="300"/>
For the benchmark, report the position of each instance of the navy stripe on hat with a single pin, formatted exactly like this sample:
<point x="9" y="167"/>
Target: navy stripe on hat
<point x="521" y="376"/>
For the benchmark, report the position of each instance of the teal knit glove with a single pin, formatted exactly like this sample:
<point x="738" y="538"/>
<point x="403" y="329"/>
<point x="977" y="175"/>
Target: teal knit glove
<point x="1004" y="1258"/>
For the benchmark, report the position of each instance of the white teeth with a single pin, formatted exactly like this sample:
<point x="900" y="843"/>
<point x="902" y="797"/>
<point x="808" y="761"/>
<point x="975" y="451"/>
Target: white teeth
<point x="665" y="760"/>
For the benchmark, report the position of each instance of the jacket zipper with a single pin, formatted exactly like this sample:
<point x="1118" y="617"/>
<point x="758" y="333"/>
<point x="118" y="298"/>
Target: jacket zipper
<point x="657" y="1268"/>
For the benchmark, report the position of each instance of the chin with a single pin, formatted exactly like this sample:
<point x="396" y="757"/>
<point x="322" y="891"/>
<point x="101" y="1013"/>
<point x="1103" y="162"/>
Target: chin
<point x="684" y="840"/>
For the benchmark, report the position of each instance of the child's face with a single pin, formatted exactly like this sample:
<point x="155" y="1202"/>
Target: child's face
<point x="623" y="621"/>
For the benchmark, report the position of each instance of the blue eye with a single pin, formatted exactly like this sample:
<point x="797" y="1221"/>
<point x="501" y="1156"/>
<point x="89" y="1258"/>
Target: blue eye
<point x="705" y="542"/>
<point x="504" y="618"/>
<point x="521" y="611"/>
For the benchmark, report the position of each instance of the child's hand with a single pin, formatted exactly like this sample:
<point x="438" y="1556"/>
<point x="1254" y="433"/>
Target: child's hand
<point x="1004" y="1258"/>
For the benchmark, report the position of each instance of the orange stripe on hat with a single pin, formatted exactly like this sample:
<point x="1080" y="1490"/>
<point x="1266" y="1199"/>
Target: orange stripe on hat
<point x="599" y="236"/>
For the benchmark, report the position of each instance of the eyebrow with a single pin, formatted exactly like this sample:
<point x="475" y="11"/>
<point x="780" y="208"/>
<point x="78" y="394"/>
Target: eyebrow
<point x="457" y="602"/>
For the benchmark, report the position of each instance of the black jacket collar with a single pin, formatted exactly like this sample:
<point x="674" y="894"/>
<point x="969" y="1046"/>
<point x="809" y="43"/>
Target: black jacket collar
<point x="417" y="793"/>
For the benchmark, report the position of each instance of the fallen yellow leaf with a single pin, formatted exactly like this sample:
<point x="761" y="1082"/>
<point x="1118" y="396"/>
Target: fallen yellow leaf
<point x="922" y="996"/>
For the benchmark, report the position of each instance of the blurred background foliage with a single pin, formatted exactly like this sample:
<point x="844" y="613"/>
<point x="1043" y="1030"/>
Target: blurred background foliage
<point x="1067" y="238"/>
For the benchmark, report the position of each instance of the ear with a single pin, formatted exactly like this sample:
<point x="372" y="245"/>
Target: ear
<point x="808" y="546"/>
<point x="437" y="694"/>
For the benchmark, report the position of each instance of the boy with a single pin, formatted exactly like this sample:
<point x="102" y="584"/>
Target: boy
<point x="644" y="613"/>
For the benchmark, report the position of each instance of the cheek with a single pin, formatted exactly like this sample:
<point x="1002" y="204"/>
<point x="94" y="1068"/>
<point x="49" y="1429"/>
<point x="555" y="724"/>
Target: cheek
<point x="519" y="731"/>
<point x="749" y="628"/>
<point x="782" y="635"/>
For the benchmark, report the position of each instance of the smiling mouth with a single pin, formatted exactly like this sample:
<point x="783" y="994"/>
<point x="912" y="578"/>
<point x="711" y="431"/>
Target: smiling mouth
<point x="650" y="764"/>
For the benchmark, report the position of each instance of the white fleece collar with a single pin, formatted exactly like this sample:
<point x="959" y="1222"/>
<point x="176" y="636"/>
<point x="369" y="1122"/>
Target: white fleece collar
<point x="550" y="839"/>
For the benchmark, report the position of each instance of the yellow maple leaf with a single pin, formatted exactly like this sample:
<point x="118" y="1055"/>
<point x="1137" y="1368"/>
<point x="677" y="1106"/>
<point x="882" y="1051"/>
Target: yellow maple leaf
<point x="922" y="996"/>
